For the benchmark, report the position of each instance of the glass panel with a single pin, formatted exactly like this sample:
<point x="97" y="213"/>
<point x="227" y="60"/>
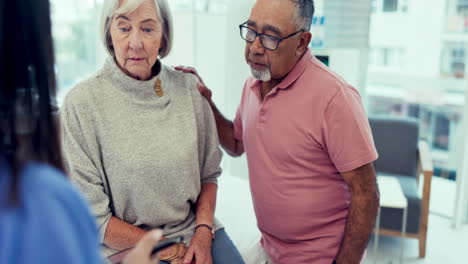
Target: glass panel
<point x="76" y="38"/>
<point x="374" y="6"/>
<point x="423" y="76"/>
<point x="390" y="5"/>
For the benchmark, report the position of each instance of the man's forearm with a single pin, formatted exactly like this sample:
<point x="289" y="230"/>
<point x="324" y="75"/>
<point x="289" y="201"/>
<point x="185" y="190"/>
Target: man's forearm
<point x="225" y="129"/>
<point x="121" y="235"/>
<point x="206" y="204"/>
<point x="361" y="220"/>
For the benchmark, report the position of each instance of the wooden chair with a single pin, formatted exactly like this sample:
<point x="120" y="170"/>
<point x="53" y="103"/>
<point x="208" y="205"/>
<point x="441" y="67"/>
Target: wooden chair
<point x="403" y="156"/>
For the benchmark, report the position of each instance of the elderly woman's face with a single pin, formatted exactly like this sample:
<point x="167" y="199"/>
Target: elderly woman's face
<point x="136" y="38"/>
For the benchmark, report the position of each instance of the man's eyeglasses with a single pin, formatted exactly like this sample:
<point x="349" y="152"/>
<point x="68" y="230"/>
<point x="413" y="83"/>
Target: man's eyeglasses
<point x="268" y="42"/>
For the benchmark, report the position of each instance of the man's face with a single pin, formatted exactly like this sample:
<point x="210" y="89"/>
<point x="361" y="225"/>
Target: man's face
<point x="275" y="18"/>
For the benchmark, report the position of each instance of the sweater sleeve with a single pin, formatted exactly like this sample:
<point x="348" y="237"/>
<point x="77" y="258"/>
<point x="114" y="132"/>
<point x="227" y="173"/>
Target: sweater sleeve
<point x="210" y="154"/>
<point x="81" y="155"/>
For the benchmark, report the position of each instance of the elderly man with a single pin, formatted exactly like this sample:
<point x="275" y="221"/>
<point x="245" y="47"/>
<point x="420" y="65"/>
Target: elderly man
<point x="308" y="143"/>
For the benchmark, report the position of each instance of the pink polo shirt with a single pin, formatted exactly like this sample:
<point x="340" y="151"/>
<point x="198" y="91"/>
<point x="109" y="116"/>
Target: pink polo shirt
<point x="308" y="129"/>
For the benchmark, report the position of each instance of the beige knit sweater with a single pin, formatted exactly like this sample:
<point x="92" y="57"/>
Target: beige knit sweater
<point x="138" y="156"/>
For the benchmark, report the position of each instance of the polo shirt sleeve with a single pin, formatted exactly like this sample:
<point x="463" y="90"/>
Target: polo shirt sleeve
<point x="238" y="125"/>
<point x="240" y="110"/>
<point x="346" y="133"/>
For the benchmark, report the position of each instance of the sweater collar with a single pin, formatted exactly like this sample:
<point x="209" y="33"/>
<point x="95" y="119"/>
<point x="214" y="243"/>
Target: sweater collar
<point x="141" y="90"/>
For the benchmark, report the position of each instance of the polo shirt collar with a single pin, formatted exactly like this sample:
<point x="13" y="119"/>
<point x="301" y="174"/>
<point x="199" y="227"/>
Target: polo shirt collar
<point x="296" y="71"/>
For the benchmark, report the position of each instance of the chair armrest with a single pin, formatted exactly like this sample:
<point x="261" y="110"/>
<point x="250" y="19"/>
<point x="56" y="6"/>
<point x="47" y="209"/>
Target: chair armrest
<point x="426" y="168"/>
<point x="425" y="160"/>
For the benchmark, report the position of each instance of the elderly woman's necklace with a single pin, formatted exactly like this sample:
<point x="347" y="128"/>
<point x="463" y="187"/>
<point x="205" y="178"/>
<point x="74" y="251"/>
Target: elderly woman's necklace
<point x="158" y="88"/>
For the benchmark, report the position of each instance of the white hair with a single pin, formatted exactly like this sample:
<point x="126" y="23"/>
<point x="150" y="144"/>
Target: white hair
<point x="111" y="8"/>
<point x="304" y="14"/>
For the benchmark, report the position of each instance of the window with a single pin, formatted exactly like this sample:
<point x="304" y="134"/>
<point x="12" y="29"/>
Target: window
<point x="75" y="35"/>
<point x="206" y="6"/>
<point x="181" y="4"/>
<point x="457" y="65"/>
<point x="386" y="57"/>
<point x="212" y="6"/>
<point x="374" y="6"/>
<point x="441" y="132"/>
<point x="453" y="60"/>
<point x="462" y="7"/>
<point x="403" y="6"/>
<point x="390" y="5"/>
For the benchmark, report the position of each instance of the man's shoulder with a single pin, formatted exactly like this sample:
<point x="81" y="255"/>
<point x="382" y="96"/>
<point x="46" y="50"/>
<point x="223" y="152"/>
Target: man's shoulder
<point x="325" y="79"/>
<point x="324" y="74"/>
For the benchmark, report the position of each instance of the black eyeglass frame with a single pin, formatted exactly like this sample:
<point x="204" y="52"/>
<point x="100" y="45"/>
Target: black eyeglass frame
<point x="278" y="40"/>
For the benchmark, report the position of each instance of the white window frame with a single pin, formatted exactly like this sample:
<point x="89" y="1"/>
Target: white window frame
<point x="461" y="201"/>
<point x="381" y="52"/>
<point x="378" y="5"/>
<point x="448" y="59"/>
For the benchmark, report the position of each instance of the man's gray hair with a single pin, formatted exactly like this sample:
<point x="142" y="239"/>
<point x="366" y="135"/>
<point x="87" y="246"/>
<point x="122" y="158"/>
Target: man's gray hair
<point x="111" y="8"/>
<point x="304" y="13"/>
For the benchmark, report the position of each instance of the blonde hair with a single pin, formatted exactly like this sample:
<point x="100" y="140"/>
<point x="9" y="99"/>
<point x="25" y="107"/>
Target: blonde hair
<point x="111" y="8"/>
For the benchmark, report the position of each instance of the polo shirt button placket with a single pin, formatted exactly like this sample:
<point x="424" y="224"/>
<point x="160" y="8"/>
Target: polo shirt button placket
<point x="262" y="115"/>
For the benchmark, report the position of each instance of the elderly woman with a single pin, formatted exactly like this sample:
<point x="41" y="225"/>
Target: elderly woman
<point x="141" y="142"/>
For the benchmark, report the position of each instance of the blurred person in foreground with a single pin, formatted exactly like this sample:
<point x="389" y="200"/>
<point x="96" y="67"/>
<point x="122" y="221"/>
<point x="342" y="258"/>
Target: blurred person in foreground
<point x="43" y="217"/>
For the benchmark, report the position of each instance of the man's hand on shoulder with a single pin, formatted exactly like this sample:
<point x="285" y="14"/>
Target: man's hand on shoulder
<point x="200" y="85"/>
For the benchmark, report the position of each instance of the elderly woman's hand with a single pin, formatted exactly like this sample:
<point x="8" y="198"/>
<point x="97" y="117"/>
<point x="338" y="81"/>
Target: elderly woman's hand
<point x="199" y="251"/>
<point x="174" y="254"/>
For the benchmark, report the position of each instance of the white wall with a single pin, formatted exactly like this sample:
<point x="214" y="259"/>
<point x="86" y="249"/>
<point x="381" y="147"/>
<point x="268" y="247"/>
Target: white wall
<point x="237" y="72"/>
<point x="183" y="40"/>
<point x="461" y="201"/>
<point x="347" y="23"/>
<point x="212" y="44"/>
